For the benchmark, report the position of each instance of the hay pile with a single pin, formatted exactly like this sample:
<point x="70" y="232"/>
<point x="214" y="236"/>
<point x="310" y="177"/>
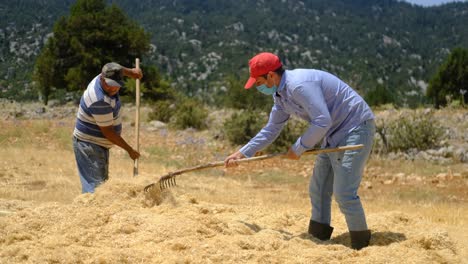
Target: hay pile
<point x="120" y="224"/>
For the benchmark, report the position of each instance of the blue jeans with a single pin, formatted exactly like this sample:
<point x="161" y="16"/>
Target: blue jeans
<point x="93" y="164"/>
<point x="340" y="173"/>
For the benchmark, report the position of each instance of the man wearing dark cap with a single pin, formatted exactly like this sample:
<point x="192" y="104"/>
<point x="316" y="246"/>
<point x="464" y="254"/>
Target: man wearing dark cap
<point x="337" y="116"/>
<point x="99" y="125"/>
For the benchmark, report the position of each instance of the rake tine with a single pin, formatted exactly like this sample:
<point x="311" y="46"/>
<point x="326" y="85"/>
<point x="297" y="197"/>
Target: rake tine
<point x="167" y="181"/>
<point x="148" y="187"/>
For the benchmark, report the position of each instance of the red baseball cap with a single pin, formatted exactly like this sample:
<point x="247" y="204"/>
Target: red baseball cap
<point x="262" y="64"/>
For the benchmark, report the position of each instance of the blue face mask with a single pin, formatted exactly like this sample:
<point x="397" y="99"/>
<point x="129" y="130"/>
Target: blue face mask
<point x="265" y="90"/>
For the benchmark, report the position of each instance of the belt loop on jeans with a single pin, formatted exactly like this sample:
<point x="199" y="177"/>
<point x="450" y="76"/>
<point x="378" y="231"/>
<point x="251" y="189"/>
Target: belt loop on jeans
<point x="77" y="139"/>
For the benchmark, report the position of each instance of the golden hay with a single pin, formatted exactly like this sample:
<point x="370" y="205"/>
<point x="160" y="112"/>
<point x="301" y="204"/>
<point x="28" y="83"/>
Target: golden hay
<point x="122" y="224"/>
<point x="254" y="214"/>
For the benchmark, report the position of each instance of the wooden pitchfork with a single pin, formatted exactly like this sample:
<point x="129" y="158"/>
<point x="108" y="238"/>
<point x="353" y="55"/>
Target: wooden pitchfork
<point x="169" y="180"/>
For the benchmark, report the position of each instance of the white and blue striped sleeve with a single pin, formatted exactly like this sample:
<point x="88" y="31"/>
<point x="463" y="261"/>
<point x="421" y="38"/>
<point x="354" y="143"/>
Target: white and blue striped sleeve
<point x="268" y="134"/>
<point x="102" y="113"/>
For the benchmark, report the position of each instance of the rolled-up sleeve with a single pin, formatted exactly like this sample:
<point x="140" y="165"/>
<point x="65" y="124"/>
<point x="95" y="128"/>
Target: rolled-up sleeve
<point x="268" y="134"/>
<point x="310" y="97"/>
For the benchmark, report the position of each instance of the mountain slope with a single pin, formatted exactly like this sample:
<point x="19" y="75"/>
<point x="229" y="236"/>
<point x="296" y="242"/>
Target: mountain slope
<point x="199" y="42"/>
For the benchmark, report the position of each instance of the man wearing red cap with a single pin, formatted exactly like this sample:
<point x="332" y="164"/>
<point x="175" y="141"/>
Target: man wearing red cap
<point x="338" y="116"/>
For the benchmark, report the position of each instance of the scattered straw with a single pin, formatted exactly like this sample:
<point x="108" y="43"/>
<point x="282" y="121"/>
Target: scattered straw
<point x="122" y="224"/>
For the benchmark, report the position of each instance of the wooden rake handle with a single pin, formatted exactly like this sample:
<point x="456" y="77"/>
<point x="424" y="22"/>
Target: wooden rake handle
<point x="137" y="118"/>
<point x="263" y="157"/>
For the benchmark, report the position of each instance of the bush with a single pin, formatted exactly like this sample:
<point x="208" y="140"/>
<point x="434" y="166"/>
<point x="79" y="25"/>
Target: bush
<point x="189" y="114"/>
<point x="243" y="126"/>
<point x="162" y="111"/>
<point x="412" y="130"/>
<point x="379" y="95"/>
<point x="290" y="133"/>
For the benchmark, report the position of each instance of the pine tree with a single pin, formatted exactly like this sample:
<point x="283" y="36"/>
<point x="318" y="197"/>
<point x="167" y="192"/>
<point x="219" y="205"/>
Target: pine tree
<point x="451" y="78"/>
<point x="92" y="35"/>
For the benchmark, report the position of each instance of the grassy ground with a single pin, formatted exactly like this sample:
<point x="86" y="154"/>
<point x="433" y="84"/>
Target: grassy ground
<point x="37" y="164"/>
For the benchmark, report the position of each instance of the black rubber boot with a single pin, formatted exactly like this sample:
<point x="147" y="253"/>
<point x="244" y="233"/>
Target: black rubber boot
<point x="319" y="230"/>
<point x="360" y="239"/>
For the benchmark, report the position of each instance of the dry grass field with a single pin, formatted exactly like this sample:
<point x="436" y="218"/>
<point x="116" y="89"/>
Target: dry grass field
<point x="256" y="213"/>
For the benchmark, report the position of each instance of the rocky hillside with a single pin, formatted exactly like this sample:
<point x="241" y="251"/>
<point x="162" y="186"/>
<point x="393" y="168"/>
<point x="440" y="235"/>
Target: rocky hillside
<point x="198" y="43"/>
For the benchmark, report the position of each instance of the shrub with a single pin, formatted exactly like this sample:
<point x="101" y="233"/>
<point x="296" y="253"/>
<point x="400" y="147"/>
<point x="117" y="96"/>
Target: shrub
<point x="379" y="95"/>
<point x="412" y="130"/>
<point x="243" y="126"/>
<point x="189" y="113"/>
<point x="291" y="131"/>
<point x="162" y="111"/>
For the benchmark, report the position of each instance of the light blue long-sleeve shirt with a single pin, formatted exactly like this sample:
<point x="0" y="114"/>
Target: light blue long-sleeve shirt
<point x="330" y="106"/>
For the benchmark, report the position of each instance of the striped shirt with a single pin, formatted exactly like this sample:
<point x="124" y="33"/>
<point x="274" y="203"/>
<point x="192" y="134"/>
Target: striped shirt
<point x="97" y="109"/>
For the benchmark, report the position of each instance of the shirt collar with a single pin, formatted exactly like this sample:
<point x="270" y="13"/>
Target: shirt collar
<point x="282" y="85"/>
<point x="99" y="85"/>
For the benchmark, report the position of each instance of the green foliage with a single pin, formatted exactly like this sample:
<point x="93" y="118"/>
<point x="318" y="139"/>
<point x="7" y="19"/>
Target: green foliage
<point x="162" y="111"/>
<point x="386" y="45"/>
<point x="243" y="125"/>
<point x="190" y="113"/>
<point x="380" y="95"/>
<point x="413" y="130"/>
<point x="199" y="43"/>
<point x="91" y="36"/>
<point x="451" y="79"/>
<point x="152" y="88"/>
<point x="44" y="75"/>
<point x="288" y="136"/>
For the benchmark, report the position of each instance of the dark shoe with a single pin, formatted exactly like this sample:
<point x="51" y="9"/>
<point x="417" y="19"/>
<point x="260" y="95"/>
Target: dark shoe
<point x="319" y="230"/>
<point x="360" y="239"/>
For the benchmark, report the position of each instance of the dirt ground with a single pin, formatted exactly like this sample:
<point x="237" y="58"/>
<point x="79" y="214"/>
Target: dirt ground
<point x="256" y="213"/>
